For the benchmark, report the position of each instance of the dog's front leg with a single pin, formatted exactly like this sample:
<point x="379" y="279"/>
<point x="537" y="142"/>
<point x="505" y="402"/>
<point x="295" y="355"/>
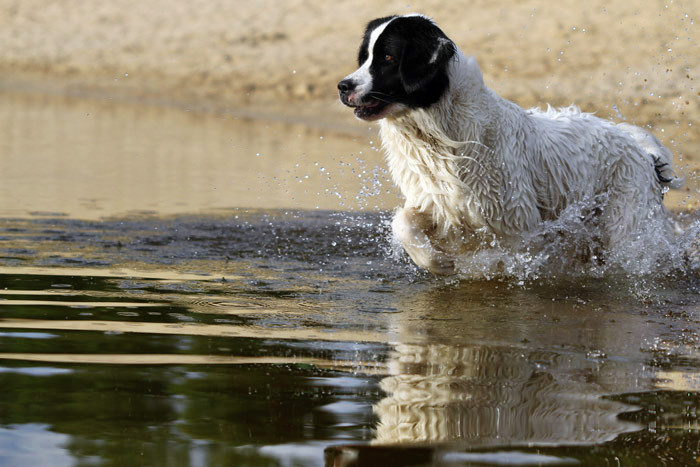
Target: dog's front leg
<point x="410" y="227"/>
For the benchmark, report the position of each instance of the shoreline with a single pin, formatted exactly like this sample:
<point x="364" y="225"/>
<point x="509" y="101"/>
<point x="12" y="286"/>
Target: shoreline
<point x="330" y="115"/>
<point x="326" y="115"/>
<point x="90" y="146"/>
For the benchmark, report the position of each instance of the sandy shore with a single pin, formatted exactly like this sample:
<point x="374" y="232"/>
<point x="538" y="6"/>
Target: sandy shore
<point x="638" y="63"/>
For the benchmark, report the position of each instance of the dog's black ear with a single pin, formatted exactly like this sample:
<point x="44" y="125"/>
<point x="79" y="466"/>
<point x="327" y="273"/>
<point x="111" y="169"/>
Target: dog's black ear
<point x="424" y="56"/>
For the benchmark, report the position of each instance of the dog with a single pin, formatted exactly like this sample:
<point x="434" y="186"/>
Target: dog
<point x="474" y="167"/>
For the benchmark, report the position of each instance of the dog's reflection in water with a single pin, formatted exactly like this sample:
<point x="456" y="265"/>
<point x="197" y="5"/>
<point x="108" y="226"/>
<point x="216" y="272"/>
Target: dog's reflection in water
<point x="444" y="399"/>
<point x="480" y="396"/>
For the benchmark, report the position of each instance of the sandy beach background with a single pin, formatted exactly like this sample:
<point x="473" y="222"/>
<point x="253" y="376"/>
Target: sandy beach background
<point x="283" y="59"/>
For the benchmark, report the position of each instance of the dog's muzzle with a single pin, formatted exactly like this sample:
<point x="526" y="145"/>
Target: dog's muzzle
<point x="365" y="107"/>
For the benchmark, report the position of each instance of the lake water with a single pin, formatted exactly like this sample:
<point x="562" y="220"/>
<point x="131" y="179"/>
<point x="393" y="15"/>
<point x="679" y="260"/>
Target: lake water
<point x="183" y="288"/>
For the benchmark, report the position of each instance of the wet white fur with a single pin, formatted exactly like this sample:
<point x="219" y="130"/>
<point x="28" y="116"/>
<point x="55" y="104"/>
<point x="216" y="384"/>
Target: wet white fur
<point x="475" y="166"/>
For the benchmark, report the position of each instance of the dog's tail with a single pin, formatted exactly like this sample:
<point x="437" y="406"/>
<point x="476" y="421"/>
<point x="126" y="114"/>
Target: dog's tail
<point x="660" y="155"/>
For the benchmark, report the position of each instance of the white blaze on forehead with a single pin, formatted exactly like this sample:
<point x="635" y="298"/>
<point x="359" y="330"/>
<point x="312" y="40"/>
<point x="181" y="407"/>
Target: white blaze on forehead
<point x="362" y="76"/>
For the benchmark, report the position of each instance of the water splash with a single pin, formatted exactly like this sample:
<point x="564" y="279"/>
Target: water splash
<point x="571" y="247"/>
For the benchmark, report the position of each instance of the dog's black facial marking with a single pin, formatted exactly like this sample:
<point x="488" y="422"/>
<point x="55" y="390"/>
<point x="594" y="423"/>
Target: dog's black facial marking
<point x="425" y="55"/>
<point x="416" y="74"/>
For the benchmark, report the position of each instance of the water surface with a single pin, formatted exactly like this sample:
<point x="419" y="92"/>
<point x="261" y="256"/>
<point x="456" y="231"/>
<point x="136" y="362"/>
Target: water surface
<point x="90" y="159"/>
<point x="140" y="326"/>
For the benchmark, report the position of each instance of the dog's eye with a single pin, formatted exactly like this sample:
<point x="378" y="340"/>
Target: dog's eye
<point x="388" y="58"/>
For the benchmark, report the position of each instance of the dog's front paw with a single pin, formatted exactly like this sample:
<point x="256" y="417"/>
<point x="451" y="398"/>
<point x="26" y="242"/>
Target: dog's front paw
<point x="440" y="264"/>
<point x="409" y="227"/>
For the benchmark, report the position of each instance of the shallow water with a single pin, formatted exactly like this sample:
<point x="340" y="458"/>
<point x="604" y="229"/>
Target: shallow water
<point x="254" y="336"/>
<point x="90" y="159"/>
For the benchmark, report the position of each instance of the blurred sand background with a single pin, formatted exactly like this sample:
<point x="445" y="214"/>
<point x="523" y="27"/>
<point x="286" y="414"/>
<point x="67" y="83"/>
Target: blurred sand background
<point x="282" y="59"/>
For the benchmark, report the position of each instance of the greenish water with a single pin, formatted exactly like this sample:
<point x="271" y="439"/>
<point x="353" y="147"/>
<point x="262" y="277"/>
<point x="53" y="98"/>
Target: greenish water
<point x="269" y="337"/>
<point x="292" y="332"/>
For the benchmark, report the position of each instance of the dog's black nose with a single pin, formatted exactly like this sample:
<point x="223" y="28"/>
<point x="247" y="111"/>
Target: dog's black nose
<point x="345" y="85"/>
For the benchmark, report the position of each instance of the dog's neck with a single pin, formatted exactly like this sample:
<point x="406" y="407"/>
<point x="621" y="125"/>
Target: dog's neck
<point x="439" y="156"/>
<point x="464" y="101"/>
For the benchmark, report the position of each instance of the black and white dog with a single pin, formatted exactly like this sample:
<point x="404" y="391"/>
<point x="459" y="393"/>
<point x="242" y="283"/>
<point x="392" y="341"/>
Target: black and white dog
<point x="474" y="166"/>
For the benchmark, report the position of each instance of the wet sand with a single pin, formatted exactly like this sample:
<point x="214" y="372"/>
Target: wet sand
<point x="282" y="60"/>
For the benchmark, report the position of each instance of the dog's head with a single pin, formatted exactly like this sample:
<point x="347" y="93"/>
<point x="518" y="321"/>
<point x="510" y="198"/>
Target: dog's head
<point x="403" y="65"/>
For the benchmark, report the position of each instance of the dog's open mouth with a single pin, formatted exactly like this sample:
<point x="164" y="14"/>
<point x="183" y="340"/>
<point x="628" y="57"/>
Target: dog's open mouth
<point x="370" y="110"/>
